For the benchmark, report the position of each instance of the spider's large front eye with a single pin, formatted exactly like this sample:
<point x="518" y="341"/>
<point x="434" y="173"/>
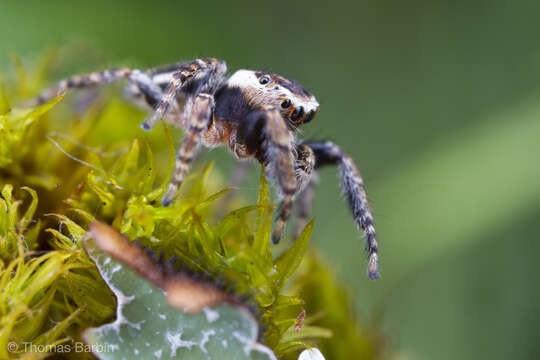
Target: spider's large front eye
<point x="297" y="113"/>
<point x="286" y="104"/>
<point x="264" y="80"/>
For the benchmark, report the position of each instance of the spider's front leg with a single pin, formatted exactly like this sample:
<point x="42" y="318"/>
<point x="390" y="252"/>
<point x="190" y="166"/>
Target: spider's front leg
<point x="328" y="153"/>
<point x="203" y="108"/>
<point x="265" y="131"/>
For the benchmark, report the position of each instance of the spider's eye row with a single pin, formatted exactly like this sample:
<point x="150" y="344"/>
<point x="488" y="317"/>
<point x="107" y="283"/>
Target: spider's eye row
<point x="286" y="104"/>
<point x="264" y="80"/>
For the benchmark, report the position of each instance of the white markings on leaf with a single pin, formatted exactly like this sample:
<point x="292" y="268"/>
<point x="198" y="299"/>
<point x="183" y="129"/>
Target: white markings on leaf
<point x="115" y="269"/>
<point x="211" y="315"/>
<point x="206" y="337"/>
<point x="176" y="342"/>
<point x="211" y="331"/>
<point x="121" y="300"/>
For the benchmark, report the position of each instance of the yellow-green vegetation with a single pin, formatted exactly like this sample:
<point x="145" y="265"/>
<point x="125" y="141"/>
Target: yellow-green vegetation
<point x="64" y="166"/>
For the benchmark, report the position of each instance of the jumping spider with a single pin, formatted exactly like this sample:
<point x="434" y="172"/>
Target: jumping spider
<point x="252" y="112"/>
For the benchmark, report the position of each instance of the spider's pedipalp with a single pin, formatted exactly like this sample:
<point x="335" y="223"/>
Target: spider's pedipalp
<point x="303" y="166"/>
<point x="305" y="179"/>
<point x="203" y="108"/>
<point x="327" y="153"/>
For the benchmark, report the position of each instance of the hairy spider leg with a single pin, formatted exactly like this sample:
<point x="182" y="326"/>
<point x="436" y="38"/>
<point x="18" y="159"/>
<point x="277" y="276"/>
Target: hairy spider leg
<point x="150" y="91"/>
<point x="185" y="73"/>
<point x="201" y="115"/>
<point x="328" y="153"/>
<point x="266" y="128"/>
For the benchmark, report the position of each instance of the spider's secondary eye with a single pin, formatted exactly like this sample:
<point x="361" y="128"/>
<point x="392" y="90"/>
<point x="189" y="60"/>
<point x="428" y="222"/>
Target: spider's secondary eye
<point x="264" y="80"/>
<point x="286" y="104"/>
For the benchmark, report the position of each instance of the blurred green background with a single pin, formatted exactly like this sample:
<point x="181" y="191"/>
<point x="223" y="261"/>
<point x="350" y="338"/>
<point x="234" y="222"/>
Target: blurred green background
<point x="438" y="102"/>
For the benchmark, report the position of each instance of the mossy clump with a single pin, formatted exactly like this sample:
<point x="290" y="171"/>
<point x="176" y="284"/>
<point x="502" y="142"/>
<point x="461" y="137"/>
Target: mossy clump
<point x="63" y="167"/>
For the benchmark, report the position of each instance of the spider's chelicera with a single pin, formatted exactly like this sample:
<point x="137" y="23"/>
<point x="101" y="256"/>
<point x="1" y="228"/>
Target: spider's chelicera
<point x="256" y="115"/>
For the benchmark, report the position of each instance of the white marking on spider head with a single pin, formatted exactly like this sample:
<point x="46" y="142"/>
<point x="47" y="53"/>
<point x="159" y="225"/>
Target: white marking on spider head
<point x="281" y="89"/>
<point x="244" y="78"/>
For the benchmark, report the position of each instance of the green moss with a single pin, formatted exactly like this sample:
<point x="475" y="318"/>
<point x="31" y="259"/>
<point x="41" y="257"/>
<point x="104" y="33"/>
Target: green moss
<point x="72" y="167"/>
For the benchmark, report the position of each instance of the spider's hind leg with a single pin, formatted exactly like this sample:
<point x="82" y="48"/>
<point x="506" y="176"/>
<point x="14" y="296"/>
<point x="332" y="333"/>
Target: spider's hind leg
<point x="138" y="79"/>
<point x="80" y="82"/>
<point x="328" y="153"/>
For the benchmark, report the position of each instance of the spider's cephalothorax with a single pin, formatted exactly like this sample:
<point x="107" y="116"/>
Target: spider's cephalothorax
<point x="253" y="113"/>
